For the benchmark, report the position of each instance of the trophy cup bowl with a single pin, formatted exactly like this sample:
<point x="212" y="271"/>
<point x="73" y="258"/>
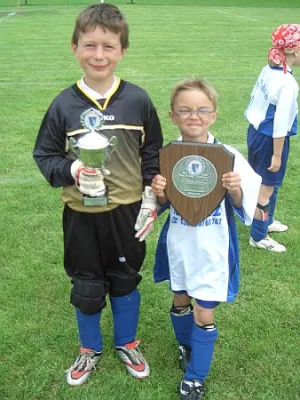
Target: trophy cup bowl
<point x="93" y="149"/>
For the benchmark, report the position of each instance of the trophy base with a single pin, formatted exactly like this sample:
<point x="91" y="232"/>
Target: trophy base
<point x="95" y="201"/>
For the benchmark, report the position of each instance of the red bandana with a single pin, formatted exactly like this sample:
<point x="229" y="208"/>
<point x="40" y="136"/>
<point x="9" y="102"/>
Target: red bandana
<point x="286" y="36"/>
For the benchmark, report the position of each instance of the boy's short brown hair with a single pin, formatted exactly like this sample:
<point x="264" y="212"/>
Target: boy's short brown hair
<point x="191" y="84"/>
<point x="107" y="16"/>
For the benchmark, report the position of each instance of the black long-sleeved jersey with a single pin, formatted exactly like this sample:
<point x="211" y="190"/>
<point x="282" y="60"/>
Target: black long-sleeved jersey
<point x="129" y="115"/>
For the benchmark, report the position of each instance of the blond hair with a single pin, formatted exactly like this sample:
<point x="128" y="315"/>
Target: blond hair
<point x="194" y="83"/>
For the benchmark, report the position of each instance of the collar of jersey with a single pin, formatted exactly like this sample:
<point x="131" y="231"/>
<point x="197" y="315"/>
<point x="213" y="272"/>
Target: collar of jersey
<point x="95" y="96"/>
<point x="210" y="138"/>
<point x="281" y="69"/>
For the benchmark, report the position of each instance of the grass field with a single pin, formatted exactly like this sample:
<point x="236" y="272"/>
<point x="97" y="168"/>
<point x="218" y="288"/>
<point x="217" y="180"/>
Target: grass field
<point x="220" y="3"/>
<point x="257" y="356"/>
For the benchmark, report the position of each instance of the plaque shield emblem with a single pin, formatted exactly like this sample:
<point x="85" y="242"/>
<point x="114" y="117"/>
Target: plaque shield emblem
<point x="194" y="177"/>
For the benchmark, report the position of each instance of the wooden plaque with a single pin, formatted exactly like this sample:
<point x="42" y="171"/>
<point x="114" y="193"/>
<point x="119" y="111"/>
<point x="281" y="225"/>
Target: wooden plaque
<point x="194" y="177"/>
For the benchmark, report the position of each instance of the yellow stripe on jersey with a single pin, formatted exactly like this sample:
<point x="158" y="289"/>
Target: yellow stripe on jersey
<point x="101" y="108"/>
<point x="132" y="127"/>
<point x="121" y="126"/>
<point x="77" y="132"/>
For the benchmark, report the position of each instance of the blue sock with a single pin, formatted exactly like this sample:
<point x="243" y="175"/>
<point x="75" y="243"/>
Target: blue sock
<point x="273" y="200"/>
<point x="126" y="314"/>
<point x="203" y="343"/>
<point x="259" y="229"/>
<point x="183" y="325"/>
<point x="89" y="330"/>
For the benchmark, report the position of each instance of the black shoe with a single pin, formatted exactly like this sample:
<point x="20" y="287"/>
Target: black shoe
<point x="191" y="390"/>
<point x="184" y="356"/>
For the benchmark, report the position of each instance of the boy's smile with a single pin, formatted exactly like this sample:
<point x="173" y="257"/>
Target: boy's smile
<point x="99" y="52"/>
<point x="193" y="113"/>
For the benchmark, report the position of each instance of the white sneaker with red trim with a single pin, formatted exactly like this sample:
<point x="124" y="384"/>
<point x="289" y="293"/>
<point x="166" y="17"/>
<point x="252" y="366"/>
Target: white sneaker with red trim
<point x="84" y="364"/>
<point x="133" y="359"/>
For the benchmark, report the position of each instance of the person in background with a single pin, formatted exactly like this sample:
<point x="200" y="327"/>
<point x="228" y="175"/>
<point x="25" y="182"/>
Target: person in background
<point x="272" y="114"/>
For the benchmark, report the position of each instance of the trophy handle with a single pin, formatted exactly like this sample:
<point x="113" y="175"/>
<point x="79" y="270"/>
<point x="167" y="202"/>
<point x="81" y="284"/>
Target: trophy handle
<point x="74" y="147"/>
<point x="112" y="144"/>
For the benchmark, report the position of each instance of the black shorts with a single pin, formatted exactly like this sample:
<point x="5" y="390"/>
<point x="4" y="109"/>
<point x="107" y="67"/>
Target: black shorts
<point x="102" y="247"/>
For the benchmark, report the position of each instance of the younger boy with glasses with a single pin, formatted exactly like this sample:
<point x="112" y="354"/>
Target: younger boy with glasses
<point x="201" y="262"/>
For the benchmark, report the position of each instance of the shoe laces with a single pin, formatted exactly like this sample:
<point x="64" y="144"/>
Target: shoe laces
<point x="198" y="388"/>
<point x="83" y="361"/>
<point x="134" y="351"/>
<point x="195" y="389"/>
<point x="270" y="240"/>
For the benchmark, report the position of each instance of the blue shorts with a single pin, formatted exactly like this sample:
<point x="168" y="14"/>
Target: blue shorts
<point x="201" y="303"/>
<point x="260" y="152"/>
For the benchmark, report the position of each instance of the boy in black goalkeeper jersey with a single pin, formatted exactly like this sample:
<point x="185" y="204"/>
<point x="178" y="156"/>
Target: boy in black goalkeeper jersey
<point x="104" y="244"/>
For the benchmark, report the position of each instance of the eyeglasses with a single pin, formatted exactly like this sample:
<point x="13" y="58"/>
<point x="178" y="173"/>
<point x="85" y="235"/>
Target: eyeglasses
<point x="201" y="113"/>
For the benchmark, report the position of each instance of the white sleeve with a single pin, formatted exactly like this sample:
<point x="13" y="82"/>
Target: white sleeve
<point x="286" y="99"/>
<point x="250" y="185"/>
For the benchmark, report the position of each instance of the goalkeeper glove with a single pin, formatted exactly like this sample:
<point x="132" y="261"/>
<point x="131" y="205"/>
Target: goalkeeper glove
<point x="88" y="180"/>
<point x="147" y="214"/>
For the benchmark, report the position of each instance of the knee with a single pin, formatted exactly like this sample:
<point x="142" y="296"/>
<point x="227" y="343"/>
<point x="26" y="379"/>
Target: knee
<point x="265" y="193"/>
<point x="88" y="295"/>
<point x="203" y="316"/>
<point x="181" y="300"/>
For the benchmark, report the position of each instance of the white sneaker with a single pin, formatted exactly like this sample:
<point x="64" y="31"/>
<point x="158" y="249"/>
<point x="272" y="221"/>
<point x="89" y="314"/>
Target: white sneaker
<point x="132" y="358"/>
<point x="277" y="226"/>
<point x="268" y="244"/>
<point x="84" y="364"/>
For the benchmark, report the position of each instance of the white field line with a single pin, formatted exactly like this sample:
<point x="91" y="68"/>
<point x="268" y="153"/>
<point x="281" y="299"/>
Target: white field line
<point x="10" y="14"/>
<point x="237" y="16"/>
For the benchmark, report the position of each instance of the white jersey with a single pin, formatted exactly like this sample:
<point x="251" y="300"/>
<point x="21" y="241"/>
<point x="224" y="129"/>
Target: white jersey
<point x="203" y="260"/>
<point x="273" y="108"/>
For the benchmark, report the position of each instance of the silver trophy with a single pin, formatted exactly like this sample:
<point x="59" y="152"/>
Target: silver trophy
<point x="94" y="149"/>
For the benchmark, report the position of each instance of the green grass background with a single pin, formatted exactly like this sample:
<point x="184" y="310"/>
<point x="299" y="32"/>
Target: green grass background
<point x="222" y="3"/>
<point x="257" y="355"/>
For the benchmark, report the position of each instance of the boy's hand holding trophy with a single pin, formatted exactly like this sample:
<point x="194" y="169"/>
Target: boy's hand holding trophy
<point x="89" y="181"/>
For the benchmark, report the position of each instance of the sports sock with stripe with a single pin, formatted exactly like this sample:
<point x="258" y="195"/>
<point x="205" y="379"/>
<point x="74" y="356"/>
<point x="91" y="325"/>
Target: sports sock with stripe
<point x="203" y="343"/>
<point x="182" y="320"/>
